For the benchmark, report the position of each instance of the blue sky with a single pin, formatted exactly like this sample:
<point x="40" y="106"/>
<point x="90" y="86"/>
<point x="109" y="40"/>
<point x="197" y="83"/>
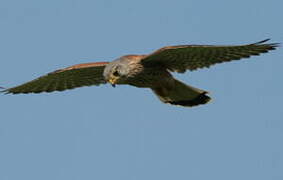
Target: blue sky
<point x="125" y="133"/>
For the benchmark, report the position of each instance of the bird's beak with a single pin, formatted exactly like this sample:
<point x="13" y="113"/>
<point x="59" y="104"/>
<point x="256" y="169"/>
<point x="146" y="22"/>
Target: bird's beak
<point x="112" y="81"/>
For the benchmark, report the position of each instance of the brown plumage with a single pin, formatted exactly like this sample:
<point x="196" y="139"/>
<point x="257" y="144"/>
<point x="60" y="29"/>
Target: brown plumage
<point x="149" y="71"/>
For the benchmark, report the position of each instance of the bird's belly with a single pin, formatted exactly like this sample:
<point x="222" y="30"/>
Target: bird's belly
<point x="149" y="79"/>
<point x="143" y="83"/>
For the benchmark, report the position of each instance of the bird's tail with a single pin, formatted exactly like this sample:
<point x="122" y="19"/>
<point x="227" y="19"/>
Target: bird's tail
<point x="182" y="94"/>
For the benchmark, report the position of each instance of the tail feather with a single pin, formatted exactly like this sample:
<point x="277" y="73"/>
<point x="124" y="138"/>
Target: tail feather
<point x="201" y="99"/>
<point x="181" y="94"/>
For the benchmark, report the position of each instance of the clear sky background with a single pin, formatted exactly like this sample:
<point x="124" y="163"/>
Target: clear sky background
<point x="125" y="133"/>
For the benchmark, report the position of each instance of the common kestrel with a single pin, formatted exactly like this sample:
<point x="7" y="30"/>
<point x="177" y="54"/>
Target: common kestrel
<point x="147" y="71"/>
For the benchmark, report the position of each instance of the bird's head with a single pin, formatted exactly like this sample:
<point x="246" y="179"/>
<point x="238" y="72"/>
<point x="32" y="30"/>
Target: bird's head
<point x="117" y="71"/>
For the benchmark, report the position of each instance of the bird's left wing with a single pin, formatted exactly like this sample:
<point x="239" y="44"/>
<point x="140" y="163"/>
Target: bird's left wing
<point x="192" y="57"/>
<point x="68" y="78"/>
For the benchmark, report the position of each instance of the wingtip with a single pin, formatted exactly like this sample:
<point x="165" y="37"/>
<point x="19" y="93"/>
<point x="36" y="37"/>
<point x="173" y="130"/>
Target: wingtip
<point x="5" y="91"/>
<point x="263" y="41"/>
<point x="272" y="45"/>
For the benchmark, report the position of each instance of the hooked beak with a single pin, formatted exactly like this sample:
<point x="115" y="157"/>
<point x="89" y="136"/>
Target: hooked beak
<point x="112" y="81"/>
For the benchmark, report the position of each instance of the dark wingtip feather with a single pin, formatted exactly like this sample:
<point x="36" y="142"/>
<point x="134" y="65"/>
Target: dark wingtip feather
<point x="275" y="45"/>
<point x="10" y="91"/>
<point x="271" y="45"/>
<point x="263" y="41"/>
<point x="5" y="91"/>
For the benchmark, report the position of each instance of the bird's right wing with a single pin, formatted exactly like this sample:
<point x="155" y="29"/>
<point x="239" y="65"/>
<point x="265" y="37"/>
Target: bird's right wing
<point x="79" y="75"/>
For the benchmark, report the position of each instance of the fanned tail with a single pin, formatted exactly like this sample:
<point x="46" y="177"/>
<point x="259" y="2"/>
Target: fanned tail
<point x="182" y="95"/>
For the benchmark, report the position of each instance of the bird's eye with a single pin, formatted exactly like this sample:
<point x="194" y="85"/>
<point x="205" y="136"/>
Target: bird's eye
<point x="116" y="73"/>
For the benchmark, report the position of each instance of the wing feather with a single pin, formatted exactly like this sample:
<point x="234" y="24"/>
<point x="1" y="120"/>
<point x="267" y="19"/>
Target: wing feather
<point x="87" y="74"/>
<point x="192" y="57"/>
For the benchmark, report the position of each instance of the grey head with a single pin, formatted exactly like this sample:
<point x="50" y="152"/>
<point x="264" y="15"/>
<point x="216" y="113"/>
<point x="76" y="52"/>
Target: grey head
<point x="119" y="70"/>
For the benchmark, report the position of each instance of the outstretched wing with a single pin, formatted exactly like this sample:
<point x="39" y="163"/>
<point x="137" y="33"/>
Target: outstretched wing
<point x="68" y="78"/>
<point x="192" y="57"/>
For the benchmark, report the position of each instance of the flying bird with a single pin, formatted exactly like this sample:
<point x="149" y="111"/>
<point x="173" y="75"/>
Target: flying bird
<point x="148" y="71"/>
